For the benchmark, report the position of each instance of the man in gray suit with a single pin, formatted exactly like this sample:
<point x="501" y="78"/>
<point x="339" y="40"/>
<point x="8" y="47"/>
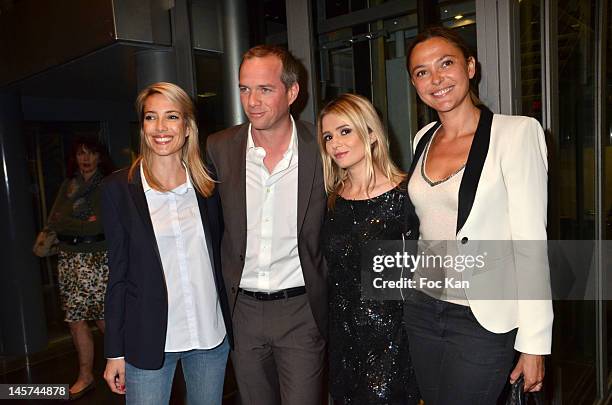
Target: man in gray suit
<point x="271" y="187"/>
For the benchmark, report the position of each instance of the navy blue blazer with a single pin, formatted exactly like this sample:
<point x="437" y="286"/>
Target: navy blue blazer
<point x="136" y="306"/>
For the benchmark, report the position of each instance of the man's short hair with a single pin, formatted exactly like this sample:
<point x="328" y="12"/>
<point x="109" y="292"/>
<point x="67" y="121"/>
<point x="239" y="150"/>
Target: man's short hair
<point x="291" y="67"/>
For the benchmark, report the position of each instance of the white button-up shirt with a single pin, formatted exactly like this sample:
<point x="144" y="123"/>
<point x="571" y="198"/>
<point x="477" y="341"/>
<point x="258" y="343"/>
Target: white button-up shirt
<point x="272" y="260"/>
<point x="195" y="320"/>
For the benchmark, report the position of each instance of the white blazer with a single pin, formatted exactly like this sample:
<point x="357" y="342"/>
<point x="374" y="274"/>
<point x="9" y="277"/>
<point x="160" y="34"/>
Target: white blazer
<point x="503" y="196"/>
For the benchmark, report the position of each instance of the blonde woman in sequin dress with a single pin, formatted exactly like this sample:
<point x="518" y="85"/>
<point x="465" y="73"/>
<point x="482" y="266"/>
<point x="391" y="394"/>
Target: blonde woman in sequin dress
<point x="368" y="347"/>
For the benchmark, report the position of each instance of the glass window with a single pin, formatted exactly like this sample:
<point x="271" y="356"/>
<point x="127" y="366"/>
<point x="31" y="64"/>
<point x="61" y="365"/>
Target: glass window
<point x="531" y="59"/>
<point x="335" y="8"/>
<point x="607" y="175"/>
<point x="268" y="22"/>
<point x="209" y="97"/>
<point x="370" y="59"/>
<point x="571" y="172"/>
<point x="455" y="14"/>
<point x="607" y="140"/>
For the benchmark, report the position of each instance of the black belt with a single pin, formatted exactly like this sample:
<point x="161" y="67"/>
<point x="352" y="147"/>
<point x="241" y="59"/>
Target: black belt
<point x="75" y="240"/>
<point x="276" y="295"/>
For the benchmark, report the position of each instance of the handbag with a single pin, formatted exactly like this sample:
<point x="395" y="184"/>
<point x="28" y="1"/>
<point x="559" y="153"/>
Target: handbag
<point x="46" y="243"/>
<point x="517" y="396"/>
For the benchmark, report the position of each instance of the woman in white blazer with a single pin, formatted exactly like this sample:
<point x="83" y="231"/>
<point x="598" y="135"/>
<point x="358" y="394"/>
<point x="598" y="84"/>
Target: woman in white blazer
<point x="476" y="177"/>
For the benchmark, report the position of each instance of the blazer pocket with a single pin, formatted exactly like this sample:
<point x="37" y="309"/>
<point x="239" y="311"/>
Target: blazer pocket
<point x="496" y="264"/>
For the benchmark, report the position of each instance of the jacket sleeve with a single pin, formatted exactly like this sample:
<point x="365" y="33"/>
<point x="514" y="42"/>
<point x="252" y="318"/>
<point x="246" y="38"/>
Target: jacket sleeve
<point x="210" y="165"/>
<point x="524" y="168"/>
<point x="118" y="262"/>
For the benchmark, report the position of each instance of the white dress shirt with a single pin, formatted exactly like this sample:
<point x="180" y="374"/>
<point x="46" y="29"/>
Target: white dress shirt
<point x="272" y="261"/>
<point x="195" y="320"/>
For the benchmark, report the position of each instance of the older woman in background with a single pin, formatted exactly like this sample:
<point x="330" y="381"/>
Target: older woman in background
<point x="82" y="263"/>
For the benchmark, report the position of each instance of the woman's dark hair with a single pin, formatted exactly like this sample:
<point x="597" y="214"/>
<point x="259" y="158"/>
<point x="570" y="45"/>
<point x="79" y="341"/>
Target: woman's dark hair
<point x="451" y="36"/>
<point x="91" y="144"/>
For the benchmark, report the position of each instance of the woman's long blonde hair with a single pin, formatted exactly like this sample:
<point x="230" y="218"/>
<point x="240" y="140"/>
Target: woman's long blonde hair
<point x="359" y="113"/>
<point x="202" y="181"/>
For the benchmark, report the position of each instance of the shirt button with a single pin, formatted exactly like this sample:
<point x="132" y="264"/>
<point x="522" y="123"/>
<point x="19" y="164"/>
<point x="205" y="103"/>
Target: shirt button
<point x="464" y="240"/>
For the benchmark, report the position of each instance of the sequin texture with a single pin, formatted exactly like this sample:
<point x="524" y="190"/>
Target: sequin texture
<point x="368" y="346"/>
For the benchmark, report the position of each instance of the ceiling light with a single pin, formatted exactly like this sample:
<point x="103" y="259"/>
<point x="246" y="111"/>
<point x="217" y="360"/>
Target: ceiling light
<point x="458" y="17"/>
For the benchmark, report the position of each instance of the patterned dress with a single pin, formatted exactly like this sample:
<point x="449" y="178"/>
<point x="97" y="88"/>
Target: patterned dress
<point x="82" y="266"/>
<point x="368" y="346"/>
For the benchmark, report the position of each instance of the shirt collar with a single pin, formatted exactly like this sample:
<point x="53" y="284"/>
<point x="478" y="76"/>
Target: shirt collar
<point x="182" y="189"/>
<point x="292" y="148"/>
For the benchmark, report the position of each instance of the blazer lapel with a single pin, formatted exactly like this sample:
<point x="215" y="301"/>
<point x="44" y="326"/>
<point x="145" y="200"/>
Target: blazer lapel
<point x="473" y="167"/>
<point x="140" y="201"/>
<point x="421" y="146"/>
<point x="307" y="161"/>
<point x="206" y="226"/>
<point x="238" y="182"/>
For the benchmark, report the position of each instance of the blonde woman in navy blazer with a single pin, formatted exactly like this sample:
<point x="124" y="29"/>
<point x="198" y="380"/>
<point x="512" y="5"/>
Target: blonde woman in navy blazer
<point x="476" y="176"/>
<point x="165" y="299"/>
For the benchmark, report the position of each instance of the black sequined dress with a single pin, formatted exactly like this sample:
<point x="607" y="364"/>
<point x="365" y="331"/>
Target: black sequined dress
<point x="368" y="347"/>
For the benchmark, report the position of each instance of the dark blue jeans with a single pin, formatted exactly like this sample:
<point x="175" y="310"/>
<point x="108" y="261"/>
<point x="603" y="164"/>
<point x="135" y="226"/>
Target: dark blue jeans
<point x="456" y="360"/>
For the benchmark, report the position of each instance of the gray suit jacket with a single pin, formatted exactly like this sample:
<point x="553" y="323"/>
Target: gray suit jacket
<point x="226" y="154"/>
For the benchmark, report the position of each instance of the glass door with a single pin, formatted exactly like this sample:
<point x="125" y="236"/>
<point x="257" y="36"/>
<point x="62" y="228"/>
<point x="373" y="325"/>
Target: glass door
<point x="606" y="187"/>
<point x="559" y="88"/>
